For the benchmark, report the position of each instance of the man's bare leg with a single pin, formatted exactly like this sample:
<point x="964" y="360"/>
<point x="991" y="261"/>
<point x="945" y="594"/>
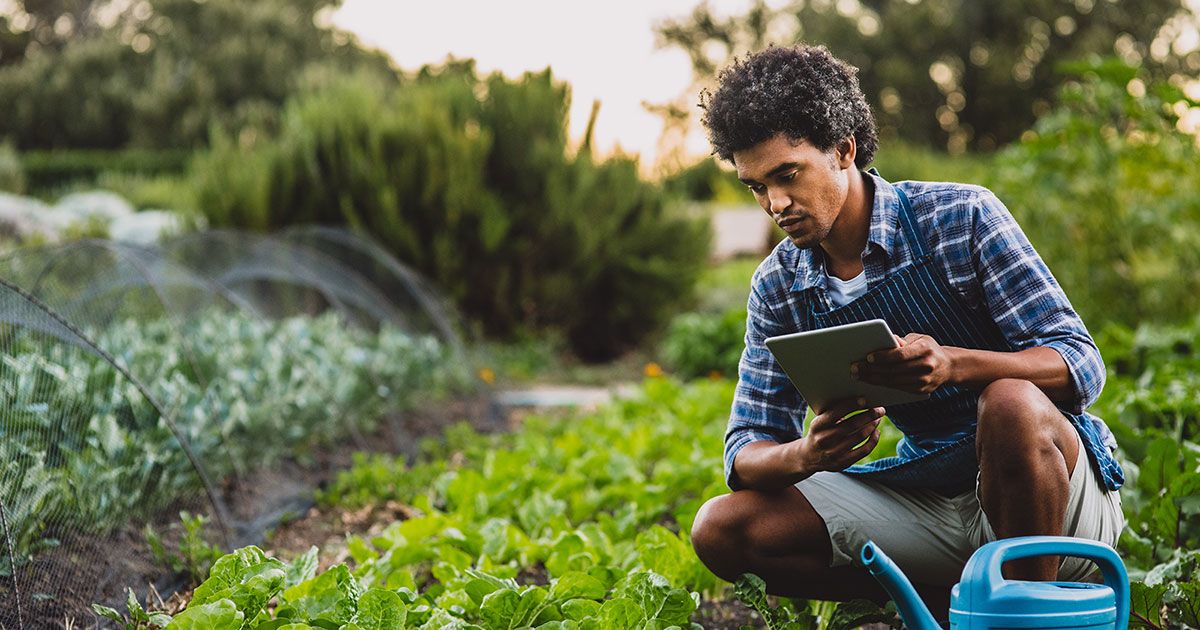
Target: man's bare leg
<point x="1027" y="451"/>
<point x="779" y="537"/>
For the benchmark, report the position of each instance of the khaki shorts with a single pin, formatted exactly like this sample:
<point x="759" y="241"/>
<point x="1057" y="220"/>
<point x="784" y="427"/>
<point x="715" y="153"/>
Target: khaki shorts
<point x="931" y="536"/>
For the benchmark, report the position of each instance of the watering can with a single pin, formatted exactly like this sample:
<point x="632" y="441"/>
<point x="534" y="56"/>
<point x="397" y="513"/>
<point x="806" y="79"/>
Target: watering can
<point x="984" y="599"/>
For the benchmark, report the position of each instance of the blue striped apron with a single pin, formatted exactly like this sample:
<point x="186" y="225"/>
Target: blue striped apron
<point x="938" y="447"/>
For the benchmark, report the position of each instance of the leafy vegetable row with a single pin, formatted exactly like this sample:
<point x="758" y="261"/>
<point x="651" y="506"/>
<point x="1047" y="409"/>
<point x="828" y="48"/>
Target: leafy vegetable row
<point x="1152" y="403"/>
<point x="508" y="525"/>
<point x="576" y="522"/>
<point x="81" y="449"/>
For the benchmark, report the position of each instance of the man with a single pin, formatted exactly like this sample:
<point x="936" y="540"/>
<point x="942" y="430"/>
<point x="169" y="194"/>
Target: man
<point x="1003" y="447"/>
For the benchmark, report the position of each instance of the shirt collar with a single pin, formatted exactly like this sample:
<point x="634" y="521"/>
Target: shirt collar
<point x="885" y="218"/>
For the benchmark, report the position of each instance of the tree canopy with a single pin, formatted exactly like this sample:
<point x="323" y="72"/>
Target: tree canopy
<point x="158" y="73"/>
<point x="954" y="73"/>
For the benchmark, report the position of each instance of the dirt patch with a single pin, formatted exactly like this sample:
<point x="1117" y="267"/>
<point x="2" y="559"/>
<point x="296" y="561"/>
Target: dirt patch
<point x="726" y="615"/>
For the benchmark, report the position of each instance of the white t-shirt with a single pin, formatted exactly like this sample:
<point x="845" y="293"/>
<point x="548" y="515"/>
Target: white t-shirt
<point x="843" y="292"/>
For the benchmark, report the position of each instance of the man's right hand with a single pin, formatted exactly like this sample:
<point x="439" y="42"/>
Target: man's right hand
<point x="832" y="442"/>
<point x="836" y="439"/>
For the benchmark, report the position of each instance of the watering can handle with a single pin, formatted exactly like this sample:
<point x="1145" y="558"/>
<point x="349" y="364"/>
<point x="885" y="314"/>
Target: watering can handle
<point x="983" y="569"/>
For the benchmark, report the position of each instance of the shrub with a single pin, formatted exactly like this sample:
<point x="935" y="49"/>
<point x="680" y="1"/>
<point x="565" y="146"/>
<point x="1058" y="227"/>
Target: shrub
<point x="1108" y="187"/>
<point x="701" y="344"/>
<point x="708" y="180"/>
<point x="469" y="180"/>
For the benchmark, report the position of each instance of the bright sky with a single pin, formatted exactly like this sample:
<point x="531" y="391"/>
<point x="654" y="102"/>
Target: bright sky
<point x="605" y="50"/>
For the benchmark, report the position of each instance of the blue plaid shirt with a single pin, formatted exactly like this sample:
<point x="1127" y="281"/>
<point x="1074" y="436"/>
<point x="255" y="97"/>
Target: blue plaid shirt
<point x="977" y="245"/>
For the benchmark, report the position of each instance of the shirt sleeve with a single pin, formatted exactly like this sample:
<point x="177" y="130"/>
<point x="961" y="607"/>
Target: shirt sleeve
<point x="1026" y="301"/>
<point x="766" y="406"/>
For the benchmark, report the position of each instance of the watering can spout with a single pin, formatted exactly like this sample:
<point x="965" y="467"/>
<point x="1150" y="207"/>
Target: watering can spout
<point x="912" y="609"/>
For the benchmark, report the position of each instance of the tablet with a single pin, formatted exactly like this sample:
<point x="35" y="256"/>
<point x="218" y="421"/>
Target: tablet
<point x="818" y="363"/>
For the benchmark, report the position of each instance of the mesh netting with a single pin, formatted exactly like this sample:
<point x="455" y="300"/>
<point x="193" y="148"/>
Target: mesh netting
<point x="218" y="373"/>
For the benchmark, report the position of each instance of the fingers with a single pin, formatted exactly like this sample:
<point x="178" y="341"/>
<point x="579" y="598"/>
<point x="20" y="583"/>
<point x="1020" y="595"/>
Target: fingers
<point x="911" y="345"/>
<point x="838" y="444"/>
<point x="916" y="365"/>
<point x="897" y="376"/>
<point x="863" y="449"/>
<point x="858" y="447"/>
<point x="893" y="355"/>
<point x="838" y="410"/>
<point x="835" y="436"/>
<point x="856" y="434"/>
<point x="920" y="383"/>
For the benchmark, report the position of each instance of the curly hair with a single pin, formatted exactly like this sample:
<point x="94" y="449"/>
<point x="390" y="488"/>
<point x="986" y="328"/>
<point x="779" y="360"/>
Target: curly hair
<point x="802" y="91"/>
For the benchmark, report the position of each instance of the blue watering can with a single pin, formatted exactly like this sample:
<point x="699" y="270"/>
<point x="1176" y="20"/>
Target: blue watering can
<point x="984" y="599"/>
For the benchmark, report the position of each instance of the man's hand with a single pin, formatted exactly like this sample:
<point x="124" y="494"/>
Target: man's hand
<point x="920" y="365"/>
<point x="836" y="439"/>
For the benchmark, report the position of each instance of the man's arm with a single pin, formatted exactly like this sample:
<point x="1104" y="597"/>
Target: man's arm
<point x="1042" y="366"/>
<point x="766" y="446"/>
<point x="1053" y="348"/>
<point x="767" y="410"/>
<point x="833" y="442"/>
<point x="922" y="365"/>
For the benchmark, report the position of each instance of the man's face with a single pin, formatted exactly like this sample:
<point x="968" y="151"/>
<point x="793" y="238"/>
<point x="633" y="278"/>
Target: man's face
<point x="801" y="187"/>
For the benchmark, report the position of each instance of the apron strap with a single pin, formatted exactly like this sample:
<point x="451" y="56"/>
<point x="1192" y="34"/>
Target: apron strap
<point x="908" y="221"/>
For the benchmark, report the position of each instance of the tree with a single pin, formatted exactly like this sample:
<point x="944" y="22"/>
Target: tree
<point x="954" y="73"/>
<point x="160" y="73"/>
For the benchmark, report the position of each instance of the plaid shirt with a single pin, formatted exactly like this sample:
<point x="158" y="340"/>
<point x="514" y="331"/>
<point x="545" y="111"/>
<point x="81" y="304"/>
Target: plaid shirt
<point x="983" y="253"/>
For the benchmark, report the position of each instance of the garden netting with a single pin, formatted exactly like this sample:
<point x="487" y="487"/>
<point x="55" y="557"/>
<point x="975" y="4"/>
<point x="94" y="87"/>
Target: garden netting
<point x="218" y="374"/>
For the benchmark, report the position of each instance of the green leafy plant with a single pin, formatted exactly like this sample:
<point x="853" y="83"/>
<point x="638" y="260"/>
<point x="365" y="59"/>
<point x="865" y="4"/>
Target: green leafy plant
<point x="752" y="591"/>
<point x="194" y="555"/>
<point x="603" y="531"/>
<point x="1150" y="403"/>
<point x="1107" y="186"/>
<point x="137" y="618"/>
<point x="798" y="614"/>
<point x="84" y="450"/>
<point x="702" y="344"/>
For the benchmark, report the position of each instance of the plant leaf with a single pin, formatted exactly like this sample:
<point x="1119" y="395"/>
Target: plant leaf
<point x="219" y="615"/>
<point x="380" y="610"/>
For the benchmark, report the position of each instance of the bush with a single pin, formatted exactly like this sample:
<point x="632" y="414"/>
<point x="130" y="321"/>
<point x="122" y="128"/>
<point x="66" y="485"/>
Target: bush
<point x="703" y="344"/>
<point x="1108" y="188"/>
<point x="708" y="180"/>
<point x="469" y="180"/>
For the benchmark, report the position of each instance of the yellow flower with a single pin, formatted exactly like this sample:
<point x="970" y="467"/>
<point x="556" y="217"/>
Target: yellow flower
<point x="714" y="376"/>
<point x="653" y="370"/>
<point x="487" y="375"/>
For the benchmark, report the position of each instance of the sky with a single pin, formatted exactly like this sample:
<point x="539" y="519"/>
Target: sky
<point x="604" y="49"/>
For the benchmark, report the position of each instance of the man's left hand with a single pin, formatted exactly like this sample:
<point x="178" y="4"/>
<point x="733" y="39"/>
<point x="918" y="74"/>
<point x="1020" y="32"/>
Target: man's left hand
<point x="919" y="365"/>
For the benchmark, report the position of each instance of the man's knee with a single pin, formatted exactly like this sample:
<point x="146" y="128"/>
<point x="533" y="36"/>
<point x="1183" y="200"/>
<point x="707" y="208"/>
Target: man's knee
<point x="718" y="533"/>
<point x="1013" y="412"/>
<point x="732" y="530"/>
<point x="1019" y="425"/>
<point x="719" y="525"/>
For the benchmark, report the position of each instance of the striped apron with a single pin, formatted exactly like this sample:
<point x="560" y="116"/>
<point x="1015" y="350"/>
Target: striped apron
<point x="938" y="447"/>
